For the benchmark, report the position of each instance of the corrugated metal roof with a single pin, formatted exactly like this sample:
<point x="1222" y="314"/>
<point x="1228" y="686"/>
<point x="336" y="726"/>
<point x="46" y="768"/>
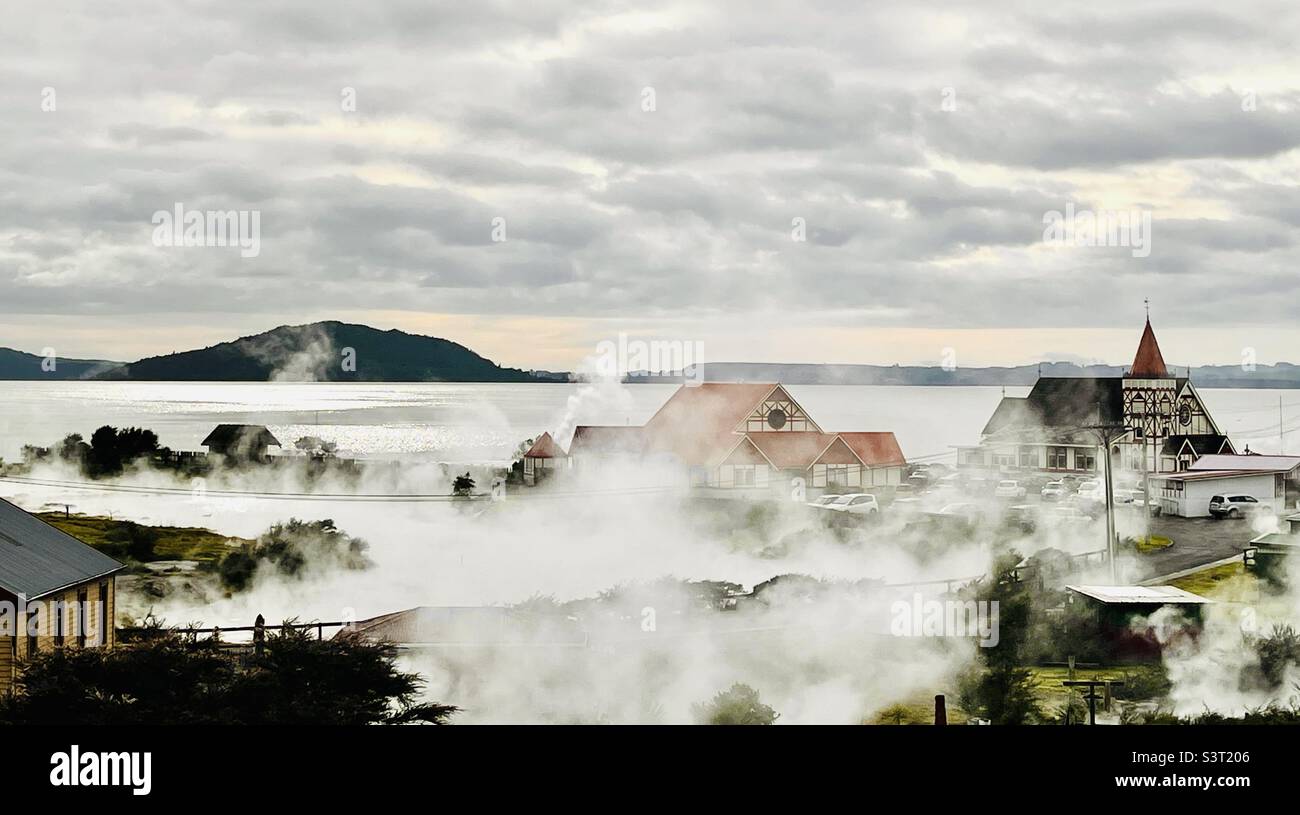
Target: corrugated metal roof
<point x="36" y="558"/>
<point x="1139" y="595"/>
<point x="1251" y="462"/>
<point x="1209" y="475"/>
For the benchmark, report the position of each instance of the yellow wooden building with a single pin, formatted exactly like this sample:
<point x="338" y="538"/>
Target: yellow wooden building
<point x="55" y="591"/>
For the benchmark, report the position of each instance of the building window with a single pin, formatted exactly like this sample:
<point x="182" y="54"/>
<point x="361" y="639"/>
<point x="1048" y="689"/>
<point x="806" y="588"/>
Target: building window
<point x="744" y="475"/>
<point x="1004" y="460"/>
<point x="81" y="617"/>
<point x="56" y="623"/>
<point x="1057" y="458"/>
<point x="103" y="614"/>
<point x="33" y="632"/>
<point x="1028" y="457"/>
<point x="1085" y="461"/>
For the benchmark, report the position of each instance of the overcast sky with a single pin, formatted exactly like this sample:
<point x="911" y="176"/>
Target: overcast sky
<point x="921" y="143"/>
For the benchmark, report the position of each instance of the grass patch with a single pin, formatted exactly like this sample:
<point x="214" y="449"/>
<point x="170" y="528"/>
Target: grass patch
<point x="917" y="711"/>
<point x="114" y="538"/>
<point x="1049" y="691"/>
<point x="1207" y="582"/>
<point x="1152" y="544"/>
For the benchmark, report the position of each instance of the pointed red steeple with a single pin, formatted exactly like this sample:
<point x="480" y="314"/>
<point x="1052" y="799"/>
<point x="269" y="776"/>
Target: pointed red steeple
<point x="1148" y="364"/>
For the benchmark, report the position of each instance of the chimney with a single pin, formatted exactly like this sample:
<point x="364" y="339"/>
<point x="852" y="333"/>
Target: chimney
<point x="940" y="710"/>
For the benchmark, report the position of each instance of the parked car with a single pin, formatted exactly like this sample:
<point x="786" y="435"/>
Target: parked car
<point x="1092" y="492"/>
<point x="1020" y="516"/>
<point x="1068" y="513"/>
<point x="822" y="501"/>
<point x="856" y="503"/>
<point x="1054" y="491"/>
<point x="1089" y="485"/>
<point x="1128" y="496"/>
<point x="1234" y="506"/>
<point x="1009" y="489"/>
<point x="966" y="511"/>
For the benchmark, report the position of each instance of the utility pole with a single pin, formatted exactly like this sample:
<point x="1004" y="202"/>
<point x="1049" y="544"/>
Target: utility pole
<point x="1108" y="434"/>
<point x="1110" y="511"/>
<point x="1281" y="434"/>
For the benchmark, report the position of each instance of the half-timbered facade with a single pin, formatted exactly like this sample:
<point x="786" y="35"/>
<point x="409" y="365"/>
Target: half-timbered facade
<point x="743" y="436"/>
<point x="1155" y="421"/>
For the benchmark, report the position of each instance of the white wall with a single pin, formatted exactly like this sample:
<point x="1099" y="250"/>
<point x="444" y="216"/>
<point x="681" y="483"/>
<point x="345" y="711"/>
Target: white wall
<point x="1195" y="500"/>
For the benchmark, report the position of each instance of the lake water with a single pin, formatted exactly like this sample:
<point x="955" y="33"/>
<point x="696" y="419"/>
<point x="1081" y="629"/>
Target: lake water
<point x="485" y="422"/>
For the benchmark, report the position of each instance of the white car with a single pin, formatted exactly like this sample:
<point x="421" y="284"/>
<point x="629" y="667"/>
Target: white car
<point x="1009" y="489"/>
<point x="969" y="512"/>
<point x="1067" y="513"/>
<point x="1091" y="491"/>
<point x="823" y="501"/>
<point x="1235" y="506"/>
<point x="1128" y="496"/>
<point x="856" y="503"/>
<point x="1054" y="491"/>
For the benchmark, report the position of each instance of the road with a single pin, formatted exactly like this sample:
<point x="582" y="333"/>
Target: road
<point x="1197" y="541"/>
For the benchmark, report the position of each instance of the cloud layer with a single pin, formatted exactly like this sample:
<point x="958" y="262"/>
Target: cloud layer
<point x="920" y="144"/>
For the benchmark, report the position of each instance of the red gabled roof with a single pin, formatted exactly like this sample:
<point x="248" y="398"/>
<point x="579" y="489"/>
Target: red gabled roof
<point x="605" y="439"/>
<point x="1148" y="364"/>
<point x="545" y="447"/>
<point x="875" y="449"/>
<point x="698" y="423"/>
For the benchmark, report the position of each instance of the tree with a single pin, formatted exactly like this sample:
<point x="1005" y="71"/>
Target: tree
<point x="74" y="450"/>
<point x="1277" y="651"/>
<point x="167" y="678"/>
<point x="290" y="547"/>
<point x="463" y="486"/>
<point x="739" y="704"/>
<point x="132" y="539"/>
<point x="1003" y="691"/>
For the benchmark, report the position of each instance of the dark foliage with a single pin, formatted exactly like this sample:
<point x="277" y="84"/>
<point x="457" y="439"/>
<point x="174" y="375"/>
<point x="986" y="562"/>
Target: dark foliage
<point x="739" y="704"/>
<point x="1003" y="692"/>
<point x="289" y="548"/>
<point x="110" y="450"/>
<point x="166" y="678"/>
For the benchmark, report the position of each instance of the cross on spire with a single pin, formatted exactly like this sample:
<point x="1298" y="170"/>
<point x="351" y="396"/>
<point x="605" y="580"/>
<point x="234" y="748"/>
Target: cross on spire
<point x="1146" y="301"/>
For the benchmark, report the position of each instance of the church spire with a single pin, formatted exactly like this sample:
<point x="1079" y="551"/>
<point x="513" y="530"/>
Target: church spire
<point x="1149" y="363"/>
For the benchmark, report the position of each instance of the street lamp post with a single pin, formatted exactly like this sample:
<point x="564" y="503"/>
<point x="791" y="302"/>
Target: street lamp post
<point x="1107" y="435"/>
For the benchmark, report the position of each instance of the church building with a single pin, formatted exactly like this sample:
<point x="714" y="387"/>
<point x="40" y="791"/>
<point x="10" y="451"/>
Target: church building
<point x="1153" y="420"/>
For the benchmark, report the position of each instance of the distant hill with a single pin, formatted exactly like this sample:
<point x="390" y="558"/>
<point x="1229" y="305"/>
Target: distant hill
<point x="327" y="351"/>
<point x="1281" y="375"/>
<point x="18" y="365"/>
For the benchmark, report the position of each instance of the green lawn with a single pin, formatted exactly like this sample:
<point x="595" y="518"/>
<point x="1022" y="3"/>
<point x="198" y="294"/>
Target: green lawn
<point x="174" y="542"/>
<point x="1207" y="582"/>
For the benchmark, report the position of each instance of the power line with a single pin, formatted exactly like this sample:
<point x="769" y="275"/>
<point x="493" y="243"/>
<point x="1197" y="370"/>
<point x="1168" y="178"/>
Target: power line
<point x="318" y="496"/>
